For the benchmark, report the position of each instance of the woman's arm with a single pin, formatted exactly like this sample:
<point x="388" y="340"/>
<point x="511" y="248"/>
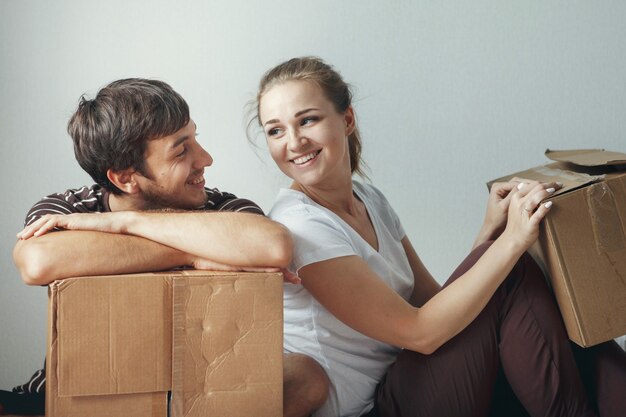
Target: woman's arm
<point x="354" y="294"/>
<point x="425" y="285"/>
<point x="350" y="290"/>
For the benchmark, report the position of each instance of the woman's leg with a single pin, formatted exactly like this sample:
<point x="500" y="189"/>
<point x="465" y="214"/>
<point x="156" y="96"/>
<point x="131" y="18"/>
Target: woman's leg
<point x="519" y="330"/>
<point x="603" y="369"/>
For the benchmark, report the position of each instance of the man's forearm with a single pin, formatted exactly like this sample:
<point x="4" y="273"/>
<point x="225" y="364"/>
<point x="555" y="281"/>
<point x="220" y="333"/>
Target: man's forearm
<point x="241" y="239"/>
<point x="70" y="253"/>
<point x="237" y="239"/>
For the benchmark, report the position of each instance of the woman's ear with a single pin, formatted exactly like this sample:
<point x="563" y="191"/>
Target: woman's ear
<point x="124" y="180"/>
<point x="350" y="120"/>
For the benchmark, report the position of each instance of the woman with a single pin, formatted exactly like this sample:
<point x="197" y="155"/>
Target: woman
<point x="365" y="293"/>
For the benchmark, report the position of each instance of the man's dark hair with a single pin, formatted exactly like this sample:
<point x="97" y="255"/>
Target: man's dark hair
<point x="112" y="130"/>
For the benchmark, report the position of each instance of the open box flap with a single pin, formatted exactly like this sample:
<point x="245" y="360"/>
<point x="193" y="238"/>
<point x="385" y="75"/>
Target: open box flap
<point x="554" y="172"/>
<point x="573" y="168"/>
<point x="587" y="157"/>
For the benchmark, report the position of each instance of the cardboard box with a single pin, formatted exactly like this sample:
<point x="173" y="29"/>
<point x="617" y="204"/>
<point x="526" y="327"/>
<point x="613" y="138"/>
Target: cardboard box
<point x="118" y="345"/>
<point x="582" y="244"/>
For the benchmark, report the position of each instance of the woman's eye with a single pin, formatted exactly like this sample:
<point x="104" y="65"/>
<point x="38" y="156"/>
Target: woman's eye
<point x="273" y="132"/>
<point x="309" y="120"/>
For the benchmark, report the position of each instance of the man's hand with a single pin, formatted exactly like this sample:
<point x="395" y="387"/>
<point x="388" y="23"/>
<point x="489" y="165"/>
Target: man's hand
<point x="98" y="222"/>
<point x="208" y="265"/>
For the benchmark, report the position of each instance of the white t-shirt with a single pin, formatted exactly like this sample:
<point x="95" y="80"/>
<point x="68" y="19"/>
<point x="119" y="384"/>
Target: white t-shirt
<point x="354" y="362"/>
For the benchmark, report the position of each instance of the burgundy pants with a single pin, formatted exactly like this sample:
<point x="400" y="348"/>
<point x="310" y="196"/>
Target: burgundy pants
<point x="514" y="359"/>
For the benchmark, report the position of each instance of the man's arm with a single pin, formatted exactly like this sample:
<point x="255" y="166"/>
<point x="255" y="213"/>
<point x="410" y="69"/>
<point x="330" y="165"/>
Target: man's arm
<point x="79" y="253"/>
<point x="239" y="239"/>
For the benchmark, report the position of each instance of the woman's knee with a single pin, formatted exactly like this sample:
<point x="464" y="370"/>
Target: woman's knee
<point x="468" y="262"/>
<point x="305" y="379"/>
<point x="527" y="271"/>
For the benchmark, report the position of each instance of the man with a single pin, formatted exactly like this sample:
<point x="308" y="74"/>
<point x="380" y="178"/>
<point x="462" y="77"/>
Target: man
<point x="149" y="210"/>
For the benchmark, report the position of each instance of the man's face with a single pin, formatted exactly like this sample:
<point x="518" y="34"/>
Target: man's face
<point x="174" y="171"/>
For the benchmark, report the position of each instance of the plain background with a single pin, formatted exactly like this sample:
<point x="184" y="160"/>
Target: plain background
<point x="449" y="94"/>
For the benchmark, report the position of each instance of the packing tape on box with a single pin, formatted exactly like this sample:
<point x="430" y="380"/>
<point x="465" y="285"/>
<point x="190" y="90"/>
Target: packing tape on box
<point x="547" y="174"/>
<point x="605" y="219"/>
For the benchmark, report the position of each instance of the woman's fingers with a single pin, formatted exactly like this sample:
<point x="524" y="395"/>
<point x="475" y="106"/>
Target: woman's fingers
<point x="530" y="205"/>
<point x="524" y="189"/>
<point x="536" y="196"/>
<point x="540" y="213"/>
<point x="524" y="184"/>
<point x="503" y="187"/>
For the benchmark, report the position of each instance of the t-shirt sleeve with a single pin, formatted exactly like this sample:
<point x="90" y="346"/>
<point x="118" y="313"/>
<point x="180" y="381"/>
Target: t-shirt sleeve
<point x="224" y="201"/>
<point x="317" y="237"/>
<point x="52" y="204"/>
<point x="397" y="224"/>
<point x="79" y="200"/>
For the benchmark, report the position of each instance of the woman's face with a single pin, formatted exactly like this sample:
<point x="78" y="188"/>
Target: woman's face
<point x="306" y="136"/>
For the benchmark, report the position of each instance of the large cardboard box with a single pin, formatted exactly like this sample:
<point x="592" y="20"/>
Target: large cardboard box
<point x="582" y="244"/>
<point x="195" y="342"/>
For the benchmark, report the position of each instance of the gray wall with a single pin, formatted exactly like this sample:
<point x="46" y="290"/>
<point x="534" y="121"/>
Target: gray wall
<point x="448" y="95"/>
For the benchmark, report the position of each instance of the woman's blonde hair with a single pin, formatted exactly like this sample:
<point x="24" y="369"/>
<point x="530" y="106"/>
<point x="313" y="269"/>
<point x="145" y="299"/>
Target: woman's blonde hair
<point x="334" y="87"/>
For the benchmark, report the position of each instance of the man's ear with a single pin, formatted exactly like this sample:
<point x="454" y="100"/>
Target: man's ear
<point x="350" y="120"/>
<point x="124" y="180"/>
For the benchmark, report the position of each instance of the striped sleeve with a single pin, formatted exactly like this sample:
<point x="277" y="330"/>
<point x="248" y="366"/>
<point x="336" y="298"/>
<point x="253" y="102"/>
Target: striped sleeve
<point x="80" y="200"/>
<point x="48" y="205"/>
<point x="224" y="201"/>
<point x="36" y="384"/>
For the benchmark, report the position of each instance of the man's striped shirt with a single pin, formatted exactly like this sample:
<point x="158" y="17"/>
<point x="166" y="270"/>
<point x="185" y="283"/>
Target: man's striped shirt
<point x="96" y="199"/>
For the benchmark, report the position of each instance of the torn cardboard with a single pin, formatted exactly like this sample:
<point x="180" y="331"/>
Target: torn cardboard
<point x="233" y="374"/>
<point x="582" y="244"/>
<point x="118" y="344"/>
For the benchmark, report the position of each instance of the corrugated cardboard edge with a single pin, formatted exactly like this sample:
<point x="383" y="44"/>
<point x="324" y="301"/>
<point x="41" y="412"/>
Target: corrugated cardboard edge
<point x="51" y="356"/>
<point x="563" y="292"/>
<point x="178" y="350"/>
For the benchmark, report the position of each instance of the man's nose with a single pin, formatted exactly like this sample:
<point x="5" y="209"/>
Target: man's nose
<point x="203" y="159"/>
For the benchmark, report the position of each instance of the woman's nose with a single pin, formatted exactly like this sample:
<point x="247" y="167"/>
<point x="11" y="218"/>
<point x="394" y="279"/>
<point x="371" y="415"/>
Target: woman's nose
<point x="295" y="140"/>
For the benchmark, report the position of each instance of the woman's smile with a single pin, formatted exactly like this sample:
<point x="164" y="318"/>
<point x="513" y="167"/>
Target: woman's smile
<point x="302" y="160"/>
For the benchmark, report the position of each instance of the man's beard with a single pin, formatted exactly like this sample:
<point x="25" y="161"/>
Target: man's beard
<point x="156" y="200"/>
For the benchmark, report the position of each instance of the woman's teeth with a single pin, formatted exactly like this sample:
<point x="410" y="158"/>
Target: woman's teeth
<point x="305" y="158"/>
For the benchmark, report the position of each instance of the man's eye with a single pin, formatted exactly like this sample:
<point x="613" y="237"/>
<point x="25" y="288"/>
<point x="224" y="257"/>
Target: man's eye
<point x="181" y="154"/>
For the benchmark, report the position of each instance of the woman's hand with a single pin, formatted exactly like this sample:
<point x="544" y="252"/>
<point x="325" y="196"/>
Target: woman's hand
<point x="525" y="212"/>
<point x="498" y="207"/>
